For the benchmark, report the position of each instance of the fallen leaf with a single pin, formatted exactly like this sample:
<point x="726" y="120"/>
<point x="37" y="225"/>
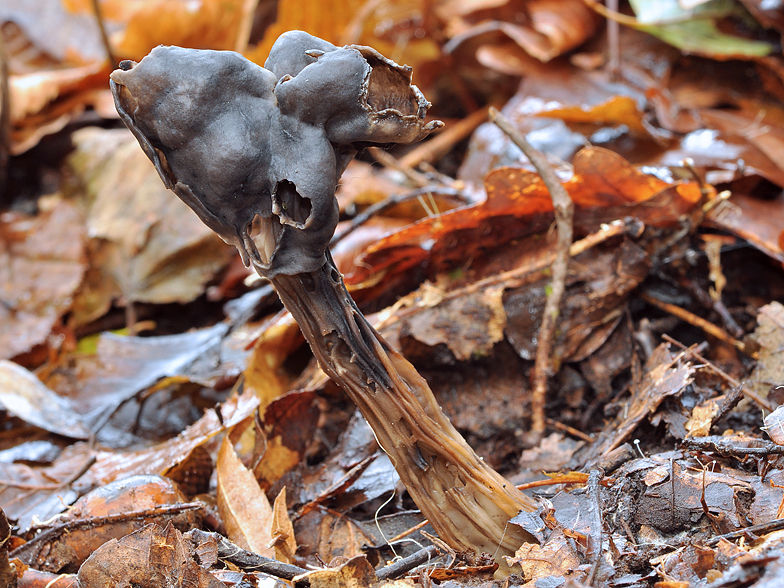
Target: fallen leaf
<point x="42" y="262"/>
<point x="148" y="558"/>
<point x="556" y="558"/>
<point x="23" y="395"/>
<point x="137" y="493"/>
<point x="125" y="366"/>
<point x="150" y="246"/>
<point x="245" y="511"/>
<point x="113" y="465"/>
<point x="770" y="336"/>
<point x="28" y="493"/>
<point x="283" y="539"/>
<point x="355" y="573"/>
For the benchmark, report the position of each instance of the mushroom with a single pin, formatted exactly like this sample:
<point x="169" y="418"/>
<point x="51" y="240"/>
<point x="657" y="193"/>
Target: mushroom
<point x="240" y="143"/>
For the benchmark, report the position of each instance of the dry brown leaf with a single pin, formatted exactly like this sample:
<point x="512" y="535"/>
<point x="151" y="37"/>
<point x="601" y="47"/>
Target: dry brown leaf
<point x="770" y="336"/>
<point x="243" y="506"/>
<point x="283" y="539"/>
<point x="557" y="557"/>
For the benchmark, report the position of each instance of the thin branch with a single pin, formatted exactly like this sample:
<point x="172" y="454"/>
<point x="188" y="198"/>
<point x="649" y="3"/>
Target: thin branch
<point x="595" y="538"/>
<point x="400" y="567"/>
<point x="764" y="403"/>
<point x="442" y="143"/>
<point x="387" y="203"/>
<point x="104" y="37"/>
<point x="564" y="213"/>
<point x="247" y="560"/>
<point x="699" y="322"/>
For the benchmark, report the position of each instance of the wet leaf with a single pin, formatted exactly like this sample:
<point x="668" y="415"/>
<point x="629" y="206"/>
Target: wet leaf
<point x="128" y="496"/>
<point x="41" y="265"/>
<point x="756" y="221"/>
<point x="28" y="493"/>
<point x="603" y="186"/>
<point x="25" y="396"/>
<point x="113" y="465"/>
<point x="124" y="366"/>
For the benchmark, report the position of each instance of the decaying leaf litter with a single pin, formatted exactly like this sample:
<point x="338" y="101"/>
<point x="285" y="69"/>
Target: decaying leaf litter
<point x="665" y="356"/>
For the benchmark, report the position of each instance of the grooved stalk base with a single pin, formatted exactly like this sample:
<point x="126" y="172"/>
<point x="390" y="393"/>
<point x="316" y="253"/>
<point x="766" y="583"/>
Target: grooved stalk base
<point x="467" y="502"/>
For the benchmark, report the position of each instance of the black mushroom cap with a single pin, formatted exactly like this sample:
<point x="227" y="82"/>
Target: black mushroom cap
<point x="240" y="143"/>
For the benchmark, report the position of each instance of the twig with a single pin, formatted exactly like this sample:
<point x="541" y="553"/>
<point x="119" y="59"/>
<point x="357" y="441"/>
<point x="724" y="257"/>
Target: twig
<point x="595" y="538"/>
<point x="613" y="40"/>
<point x="104" y="37"/>
<point x="564" y="212"/>
<point x="388" y="160"/>
<point x="400" y="567"/>
<point x="699" y="322"/>
<point x="570" y="430"/>
<point x="247" y="560"/>
<point x="443" y="142"/>
<point x="408" y="532"/>
<point x="764" y="403"/>
<point x="758" y="529"/>
<point x="723" y="446"/>
<point x="28" y="552"/>
<point x="388" y="203"/>
<point x="5" y="117"/>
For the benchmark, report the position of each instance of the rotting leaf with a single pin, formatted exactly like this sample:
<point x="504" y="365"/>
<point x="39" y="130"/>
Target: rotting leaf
<point x="42" y="262"/>
<point x="288" y="427"/>
<point x="23" y="395"/>
<point x="603" y="186"/>
<point x="67" y="551"/>
<point x="148" y="558"/>
<point x="242" y="504"/>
